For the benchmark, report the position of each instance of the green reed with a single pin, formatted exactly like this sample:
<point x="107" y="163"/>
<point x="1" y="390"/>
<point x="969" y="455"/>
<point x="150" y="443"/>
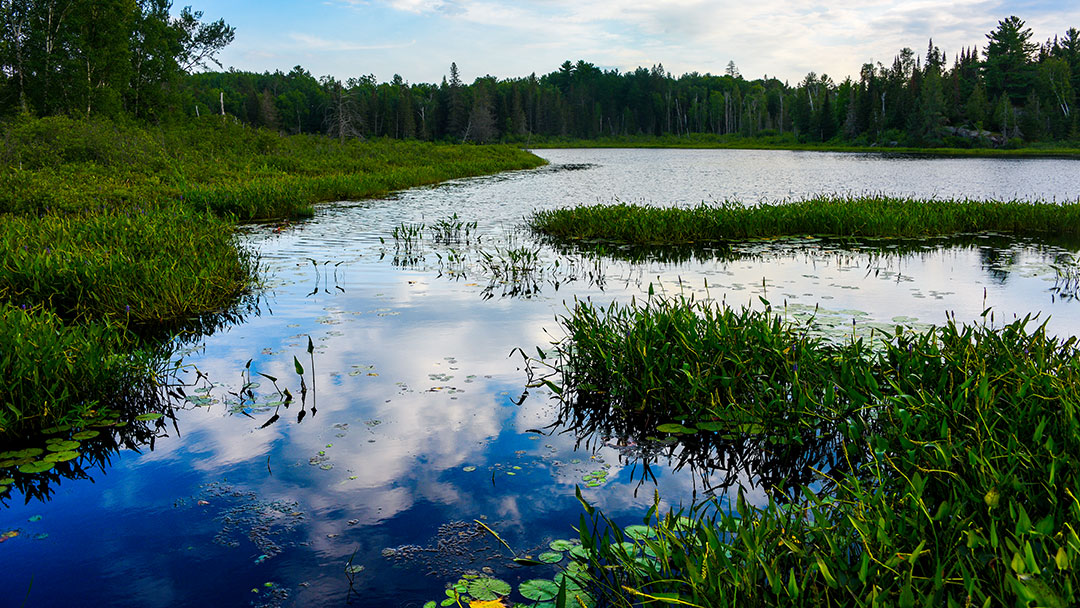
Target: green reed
<point x="871" y="216"/>
<point x="959" y="473"/>
<point x="54" y="372"/>
<point x="140" y="268"/>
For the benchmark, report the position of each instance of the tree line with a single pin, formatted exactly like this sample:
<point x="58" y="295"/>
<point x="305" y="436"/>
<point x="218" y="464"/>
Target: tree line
<point x="1011" y="91"/>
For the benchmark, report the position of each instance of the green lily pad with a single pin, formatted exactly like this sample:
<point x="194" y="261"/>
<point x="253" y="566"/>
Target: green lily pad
<point x="38" y="466"/>
<point x="486" y="588"/>
<point x="148" y="416"/>
<point x="469" y="469"/>
<point x="34" y="519"/>
<point x="19" y="454"/>
<point x="7" y="481"/>
<point x="85" y="435"/>
<point x="61" y="456"/>
<point x="581" y="553"/>
<point x="676" y="429"/>
<point x="550" y="557"/>
<point x="63" y="428"/>
<point x="63" y="446"/>
<point x="561" y="545"/>
<point x="712" y="426"/>
<point x="354" y="569"/>
<point x="639" y="532"/>
<point x="539" y="590"/>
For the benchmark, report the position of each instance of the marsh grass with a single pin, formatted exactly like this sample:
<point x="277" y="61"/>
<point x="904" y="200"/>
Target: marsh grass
<point x="959" y="469"/>
<point x="54" y="372"/>
<point x="873" y="216"/>
<point x="138" y="268"/>
<point x="58" y="163"/>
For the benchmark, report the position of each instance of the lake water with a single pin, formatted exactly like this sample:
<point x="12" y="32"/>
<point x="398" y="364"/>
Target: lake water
<point x="418" y="423"/>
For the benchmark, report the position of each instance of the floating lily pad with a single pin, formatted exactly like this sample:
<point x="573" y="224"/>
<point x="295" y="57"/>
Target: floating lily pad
<point x="34" y="519"/>
<point x="581" y="553"/>
<point x="486" y="588"/>
<point x="539" y="590"/>
<point x="469" y="469"/>
<point x="676" y="429"/>
<point x="61" y="456"/>
<point x="639" y="532"/>
<point x="27" y="453"/>
<point x="63" y="446"/>
<point x="561" y="545"/>
<point x="354" y="569"/>
<point x="63" y="428"/>
<point x="550" y="557"/>
<point x="38" y="466"/>
<point x="7" y="481"/>
<point x="85" y="435"/>
<point x="711" y="426"/>
<point x="148" y="416"/>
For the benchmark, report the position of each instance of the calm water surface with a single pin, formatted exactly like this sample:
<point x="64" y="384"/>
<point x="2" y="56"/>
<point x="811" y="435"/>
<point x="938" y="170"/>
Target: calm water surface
<point x="418" y="422"/>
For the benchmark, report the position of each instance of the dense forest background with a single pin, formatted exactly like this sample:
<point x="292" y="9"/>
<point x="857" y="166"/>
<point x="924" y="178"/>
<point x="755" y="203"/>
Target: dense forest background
<point x="134" y="58"/>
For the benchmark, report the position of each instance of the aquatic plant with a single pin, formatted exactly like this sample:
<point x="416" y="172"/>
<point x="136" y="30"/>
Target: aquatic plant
<point x="955" y="485"/>
<point x="871" y="216"/>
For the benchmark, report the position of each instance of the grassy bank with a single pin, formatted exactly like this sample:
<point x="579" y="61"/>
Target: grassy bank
<point x="58" y="164"/>
<point x="955" y="486"/>
<point x="700" y="141"/>
<point x="114" y="235"/>
<point x="878" y="216"/>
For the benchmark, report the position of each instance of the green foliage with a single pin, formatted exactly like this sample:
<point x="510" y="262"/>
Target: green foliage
<point x="54" y="372"/>
<point x="141" y="268"/>
<point x="955" y="487"/>
<point x="877" y="216"/>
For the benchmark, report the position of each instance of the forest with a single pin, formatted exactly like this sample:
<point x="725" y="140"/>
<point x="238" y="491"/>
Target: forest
<point x="136" y="58"/>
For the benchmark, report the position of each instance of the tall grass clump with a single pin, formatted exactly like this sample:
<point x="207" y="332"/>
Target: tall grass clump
<point x="874" y="216"/>
<point x="54" y="372"/>
<point x="140" y="268"/>
<point x="961" y="459"/>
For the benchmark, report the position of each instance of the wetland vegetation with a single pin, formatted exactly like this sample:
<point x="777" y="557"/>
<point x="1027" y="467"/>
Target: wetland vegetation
<point x="949" y="483"/>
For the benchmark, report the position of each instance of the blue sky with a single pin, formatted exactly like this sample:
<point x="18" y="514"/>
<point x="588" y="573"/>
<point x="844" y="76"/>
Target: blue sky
<point x="418" y="39"/>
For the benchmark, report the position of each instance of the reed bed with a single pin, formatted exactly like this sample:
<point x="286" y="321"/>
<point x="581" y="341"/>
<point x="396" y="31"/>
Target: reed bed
<point x="55" y="372"/>
<point x="957" y="485"/>
<point x="829" y="216"/>
<point x="140" y="268"/>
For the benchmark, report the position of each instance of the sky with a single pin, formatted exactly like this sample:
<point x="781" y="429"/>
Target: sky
<point x="419" y="39"/>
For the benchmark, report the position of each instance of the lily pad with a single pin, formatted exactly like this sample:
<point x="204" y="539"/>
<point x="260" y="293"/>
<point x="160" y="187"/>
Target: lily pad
<point x="550" y="557"/>
<point x="63" y="446"/>
<point x="85" y="435"/>
<point x="539" y="590"/>
<point x="469" y="469"/>
<point x="7" y="481"/>
<point x="486" y="588"/>
<point x="711" y="426"/>
<point x="581" y="553"/>
<point x="38" y="466"/>
<point x="561" y="545"/>
<point x="354" y="569"/>
<point x="676" y="429"/>
<point x="56" y="429"/>
<point x="639" y="532"/>
<point x="61" y="456"/>
<point x="148" y="416"/>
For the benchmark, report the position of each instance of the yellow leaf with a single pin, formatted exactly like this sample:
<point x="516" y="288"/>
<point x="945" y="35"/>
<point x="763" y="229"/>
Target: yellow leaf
<point x="486" y="604"/>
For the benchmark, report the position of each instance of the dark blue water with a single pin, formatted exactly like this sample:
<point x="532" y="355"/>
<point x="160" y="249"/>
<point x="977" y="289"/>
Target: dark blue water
<point x="414" y="426"/>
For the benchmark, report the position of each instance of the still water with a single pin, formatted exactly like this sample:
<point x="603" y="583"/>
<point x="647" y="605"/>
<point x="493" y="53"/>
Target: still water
<point x="417" y="422"/>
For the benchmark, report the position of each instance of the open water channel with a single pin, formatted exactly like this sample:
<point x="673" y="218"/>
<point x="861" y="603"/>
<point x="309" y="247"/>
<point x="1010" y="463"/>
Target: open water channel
<point x="417" y="422"/>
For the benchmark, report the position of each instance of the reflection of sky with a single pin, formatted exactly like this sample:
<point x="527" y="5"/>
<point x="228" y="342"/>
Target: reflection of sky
<point x="415" y="381"/>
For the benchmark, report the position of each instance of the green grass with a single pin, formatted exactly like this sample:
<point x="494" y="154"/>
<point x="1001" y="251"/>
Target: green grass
<point x="55" y="372"/>
<point x="788" y="142"/>
<point x="59" y="164"/>
<point x="956" y="479"/>
<point x="877" y="216"/>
